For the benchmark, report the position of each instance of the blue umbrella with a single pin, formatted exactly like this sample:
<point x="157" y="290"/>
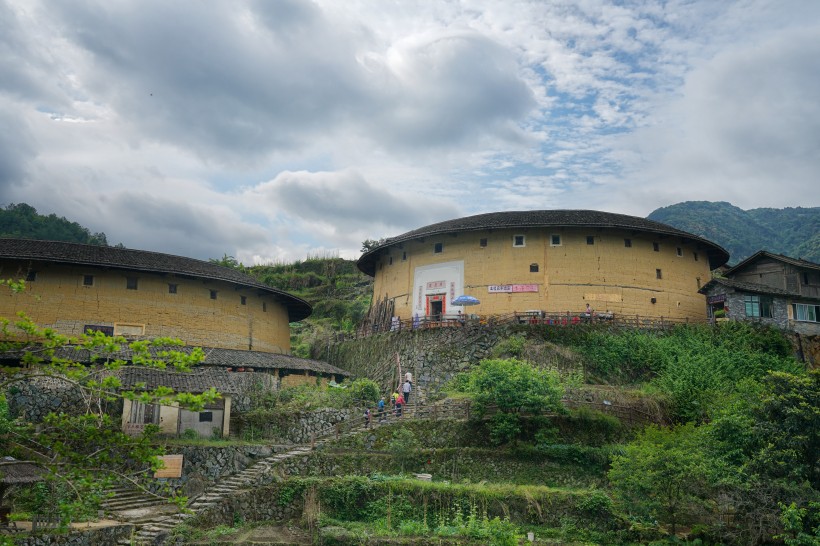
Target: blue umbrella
<point x="465" y="300"/>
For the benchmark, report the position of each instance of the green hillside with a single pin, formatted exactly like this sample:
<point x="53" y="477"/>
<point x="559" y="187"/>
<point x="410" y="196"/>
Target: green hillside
<point x="339" y="293"/>
<point x="22" y="221"/>
<point x="791" y="231"/>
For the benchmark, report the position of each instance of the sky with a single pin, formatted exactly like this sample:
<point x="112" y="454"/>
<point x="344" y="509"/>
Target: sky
<point x="275" y="130"/>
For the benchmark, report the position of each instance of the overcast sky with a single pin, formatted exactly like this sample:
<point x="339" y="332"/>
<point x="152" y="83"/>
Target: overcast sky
<point x="271" y="130"/>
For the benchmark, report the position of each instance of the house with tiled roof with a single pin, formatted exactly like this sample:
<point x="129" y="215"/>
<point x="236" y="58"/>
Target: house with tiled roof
<point x="544" y="261"/>
<point x="768" y="288"/>
<point x="242" y="324"/>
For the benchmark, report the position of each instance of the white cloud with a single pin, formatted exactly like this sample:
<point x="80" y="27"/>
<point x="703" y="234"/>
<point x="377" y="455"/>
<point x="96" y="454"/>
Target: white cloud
<point x="269" y="130"/>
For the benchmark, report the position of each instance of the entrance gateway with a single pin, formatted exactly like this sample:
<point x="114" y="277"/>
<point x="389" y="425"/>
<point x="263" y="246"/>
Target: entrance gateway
<point x="436" y="306"/>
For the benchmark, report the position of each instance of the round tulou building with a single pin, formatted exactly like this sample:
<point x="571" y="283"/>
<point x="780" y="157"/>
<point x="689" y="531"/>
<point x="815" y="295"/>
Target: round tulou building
<point x="547" y="261"/>
<point x="73" y="288"/>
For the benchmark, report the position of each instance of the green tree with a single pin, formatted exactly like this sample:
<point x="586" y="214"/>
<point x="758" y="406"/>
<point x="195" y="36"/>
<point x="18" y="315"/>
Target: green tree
<point x="509" y="388"/>
<point x="662" y="475"/>
<point x="87" y="450"/>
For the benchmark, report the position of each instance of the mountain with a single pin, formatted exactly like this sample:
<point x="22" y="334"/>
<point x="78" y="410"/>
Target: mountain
<point x="793" y="231"/>
<point x="22" y="221"/>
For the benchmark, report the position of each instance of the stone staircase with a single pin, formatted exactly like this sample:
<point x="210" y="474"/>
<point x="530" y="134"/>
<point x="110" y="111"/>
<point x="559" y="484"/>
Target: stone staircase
<point x="150" y="530"/>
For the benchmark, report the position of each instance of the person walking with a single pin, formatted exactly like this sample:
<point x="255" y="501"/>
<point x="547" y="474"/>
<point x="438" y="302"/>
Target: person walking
<point x="406" y="388"/>
<point x="380" y="406"/>
<point x="367" y="418"/>
<point x="399" y="404"/>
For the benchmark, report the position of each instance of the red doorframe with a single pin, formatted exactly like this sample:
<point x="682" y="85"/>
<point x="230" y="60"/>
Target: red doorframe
<point x="436" y="297"/>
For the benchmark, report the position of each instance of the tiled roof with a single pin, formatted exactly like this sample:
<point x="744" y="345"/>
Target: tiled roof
<point x="142" y="260"/>
<point x="224" y="358"/>
<point x="771" y="255"/>
<point x="19" y="472"/>
<point x="754" y="288"/>
<point x="199" y="380"/>
<point x="542" y="218"/>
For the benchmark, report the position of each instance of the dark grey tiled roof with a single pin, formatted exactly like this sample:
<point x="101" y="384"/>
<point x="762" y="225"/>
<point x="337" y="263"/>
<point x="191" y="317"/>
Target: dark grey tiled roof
<point x="754" y="288"/>
<point x="142" y="260"/>
<point x="805" y="264"/>
<point x="543" y="218"/>
<point x="256" y="359"/>
<point x="199" y="380"/>
<point x="224" y="358"/>
<point x="19" y="472"/>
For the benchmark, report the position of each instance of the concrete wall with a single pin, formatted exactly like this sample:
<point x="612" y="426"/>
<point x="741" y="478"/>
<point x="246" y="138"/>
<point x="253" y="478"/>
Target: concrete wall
<point x="58" y="299"/>
<point x="606" y="274"/>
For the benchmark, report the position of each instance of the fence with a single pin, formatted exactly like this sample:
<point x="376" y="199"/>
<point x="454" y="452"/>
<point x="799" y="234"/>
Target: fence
<point x="461" y="410"/>
<point x="530" y="318"/>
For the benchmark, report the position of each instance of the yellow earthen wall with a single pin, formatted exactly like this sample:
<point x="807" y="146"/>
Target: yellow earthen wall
<point x="296" y="379"/>
<point x="607" y="275"/>
<point x="58" y="299"/>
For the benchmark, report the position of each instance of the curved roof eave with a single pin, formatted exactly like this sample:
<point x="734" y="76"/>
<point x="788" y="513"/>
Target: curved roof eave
<point x="538" y="219"/>
<point x="144" y="261"/>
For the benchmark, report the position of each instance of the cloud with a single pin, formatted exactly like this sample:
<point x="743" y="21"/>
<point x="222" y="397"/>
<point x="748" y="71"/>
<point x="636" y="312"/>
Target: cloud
<point x="746" y="126"/>
<point x="348" y="206"/>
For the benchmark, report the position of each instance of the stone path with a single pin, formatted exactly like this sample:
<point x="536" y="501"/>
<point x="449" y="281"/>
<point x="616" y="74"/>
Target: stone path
<point x="150" y="528"/>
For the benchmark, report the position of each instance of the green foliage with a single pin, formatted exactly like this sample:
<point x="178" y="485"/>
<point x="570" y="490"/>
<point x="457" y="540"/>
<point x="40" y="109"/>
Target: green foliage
<point x="512" y="347"/>
<point x="339" y="293"/>
<point x="661" y="475"/>
<point x="403" y="446"/>
<point x="82" y="453"/>
<point x="510" y="387"/>
<point x="693" y="366"/>
<point x="364" y="391"/>
<point x="790" y="231"/>
<point x="23" y="221"/>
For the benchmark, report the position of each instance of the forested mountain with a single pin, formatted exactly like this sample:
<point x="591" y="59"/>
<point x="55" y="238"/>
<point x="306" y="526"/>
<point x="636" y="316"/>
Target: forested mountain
<point x="22" y="221"/>
<point x="791" y="231"/>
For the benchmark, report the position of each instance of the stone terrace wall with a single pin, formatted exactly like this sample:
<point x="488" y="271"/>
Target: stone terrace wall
<point x="432" y="355"/>
<point x="204" y="465"/>
<point x="104" y="536"/>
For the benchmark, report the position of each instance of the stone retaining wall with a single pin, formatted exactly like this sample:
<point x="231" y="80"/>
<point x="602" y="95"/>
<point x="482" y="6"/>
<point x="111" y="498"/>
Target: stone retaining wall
<point x="202" y="466"/>
<point x="432" y="355"/>
<point x="104" y="536"/>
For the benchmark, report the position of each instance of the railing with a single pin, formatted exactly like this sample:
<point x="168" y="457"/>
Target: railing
<point x="532" y="318"/>
<point x="462" y="410"/>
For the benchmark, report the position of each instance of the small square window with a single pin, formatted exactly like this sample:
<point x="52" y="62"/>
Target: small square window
<point x="679" y="251"/>
<point x="482" y="243"/>
<point x="438" y="247"/>
<point x="555" y="240"/>
<point x="88" y="280"/>
<point x="533" y="268"/>
<point x="206" y="417"/>
<point x="518" y="240"/>
<point x="590" y="240"/>
<point x="31" y="276"/>
<point x="390" y="262"/>
<point x="696" y="256"/>
<point x="172" y="288"/>
<point x="131" y="283"/>
<point x="213" y="294"/>
<point x="404" y="256"/>
<point x="658" y="274"/>
<point x="656" y="247"/>
<point x="264" y="307"/>
<point x="628" y="243"/>
<point x="243" y="300"/>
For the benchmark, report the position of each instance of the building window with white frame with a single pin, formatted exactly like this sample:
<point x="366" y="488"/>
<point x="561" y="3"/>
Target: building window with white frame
<point x="555" y="240"/>
<point x="518" y="240"/>
<point x="805" y="312"/>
